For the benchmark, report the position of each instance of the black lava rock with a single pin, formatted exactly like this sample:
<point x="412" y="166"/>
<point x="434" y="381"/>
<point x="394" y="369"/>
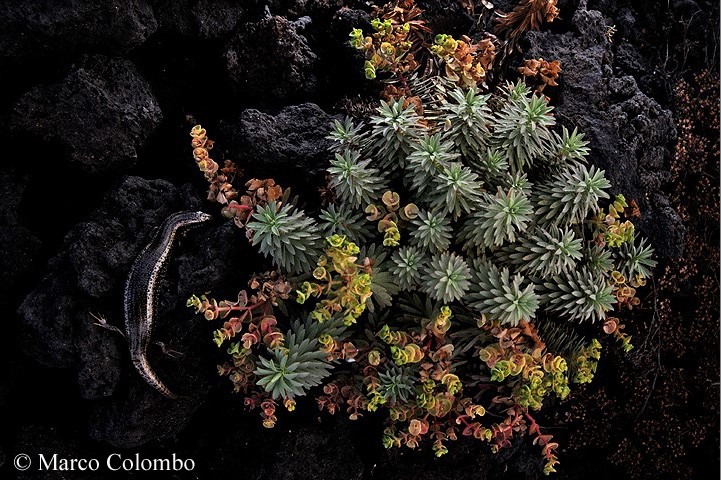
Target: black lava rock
<point x="313" y="451"/>
<point x="316" y="446"/>
<point x="33" y="29"/>
<point x="630" y="134"/>
<point x="288" y="145"/>
<point x="205" y="19"/>
<point x="101" y="113"/>
<point x="270" y="61"/>
<point x="19" y="247"/>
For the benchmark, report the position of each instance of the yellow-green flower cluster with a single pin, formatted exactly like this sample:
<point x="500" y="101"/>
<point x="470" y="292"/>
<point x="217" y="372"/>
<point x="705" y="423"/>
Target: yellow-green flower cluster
<point x="403" y="349"/>
<point x="411" y="353"/>
<point x="625" y="340"/>
<point x="466" y="62"/>
<point x="552" y="376"/>
<point x="385" y="49"/>
<point x="376" y="400"/>
<point x="440" y="325"/>
<point x="425" y="398"/>
<point x="444" y="45"/>
<point x="389" y="215"/>
<point x="452" y="382"/>
<point x="345" y="285"/>
<point x="610" y="229"/>
<point x="392" y="337"/>
<point x="585" y="362"/>
<point x="436" y="404"/>
<point x="391" y="234"/>
<point x="537" y="375"/>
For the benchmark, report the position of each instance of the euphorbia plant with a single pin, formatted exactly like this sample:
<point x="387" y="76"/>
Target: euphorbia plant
<point x="463" y="243"/>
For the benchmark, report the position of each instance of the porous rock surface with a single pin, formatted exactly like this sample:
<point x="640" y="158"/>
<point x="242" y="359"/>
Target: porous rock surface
<point x="271" y="59"/>
<point x="100" y="114"/>
<point x="290" y="143"/>
<point x="68" y="27"/>
<point x="205" y="19"/>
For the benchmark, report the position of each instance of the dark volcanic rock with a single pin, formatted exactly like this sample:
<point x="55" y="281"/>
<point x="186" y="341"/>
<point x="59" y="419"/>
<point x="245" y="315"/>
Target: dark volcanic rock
<point x="312" y="447"/>
<point x="270" y="61"/>
<point x="630" y="134"/>
<point x="19" y="247"/>
<point x="101" y="113"/>
<point x="467" y="458"/>
<point x="447" y="16"/>
<point x="205" y="19"/>
<point x="48" y="317"/>
<point x="140" y="415"/>
<point x="32" y="29"/>
<point x="19" y="261"/>
<point x="345" y="20"/>
<point x="290" y="144"/>
<point x="313" y="452"/>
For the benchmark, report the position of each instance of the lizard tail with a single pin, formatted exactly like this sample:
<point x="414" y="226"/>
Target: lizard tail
<point x="145" y="370"/>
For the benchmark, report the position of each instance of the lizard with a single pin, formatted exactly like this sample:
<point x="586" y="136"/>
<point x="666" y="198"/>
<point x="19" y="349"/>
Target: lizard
<point x="139" y="296"/>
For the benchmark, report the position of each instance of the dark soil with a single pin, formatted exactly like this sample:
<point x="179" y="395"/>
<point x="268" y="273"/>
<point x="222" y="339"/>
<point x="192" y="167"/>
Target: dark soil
<point x="97" y="101"/>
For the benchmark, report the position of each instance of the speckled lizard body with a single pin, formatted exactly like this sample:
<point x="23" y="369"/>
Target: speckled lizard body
<point x="139" y="298"/>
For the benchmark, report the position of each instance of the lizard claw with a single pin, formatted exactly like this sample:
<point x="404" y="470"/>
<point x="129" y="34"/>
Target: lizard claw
<point x="100" y="321"/>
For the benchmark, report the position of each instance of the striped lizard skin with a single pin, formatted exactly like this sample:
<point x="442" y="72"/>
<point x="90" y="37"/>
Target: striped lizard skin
<point x="139" y="298"/>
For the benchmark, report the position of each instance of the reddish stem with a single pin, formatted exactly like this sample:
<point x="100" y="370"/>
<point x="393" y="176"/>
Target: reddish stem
<point x="241" y="207"/>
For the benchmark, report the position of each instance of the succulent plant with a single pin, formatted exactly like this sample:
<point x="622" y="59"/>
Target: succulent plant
<point x="499" y="219"/>
<point x="636" y="259"/>
<point x="467" y="117"/>
<point x="354" y="180"/>
<point x="345" y="136"/>
<point x="458" y="190"/>
<point x="286" y="235"/>
<point x="448" y="277"/>
<point x="429" y="157"/>
<point x="598" y="260"/>
<point x="432" y="231"/>
<point x="393" y="131"/>
<point x="492" y="163"/>
<point x="342" y="221"/>
<point x="544" y="252"/>
<point x="518" y="181"/>
<point x="466" y="237"/>
<point x="571" y="195"/>
<point x="522" y="131"/>
<point x="292" y="370"/>
<point x="570" y="146"/>
<point x="500" y="297"/>
<point x="578" y="295"/>
<point x="409" y="265"/>
<point x="384" y="284"/>
<point x="396" y="386"/>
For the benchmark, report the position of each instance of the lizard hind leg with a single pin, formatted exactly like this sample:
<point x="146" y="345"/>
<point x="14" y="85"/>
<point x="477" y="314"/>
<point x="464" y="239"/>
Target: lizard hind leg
<point x="167" y="350"/>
